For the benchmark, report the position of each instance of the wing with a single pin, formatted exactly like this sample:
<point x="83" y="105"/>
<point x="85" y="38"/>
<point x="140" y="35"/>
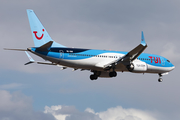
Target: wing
<point x="130" y="56"/>
<point x="133" y="54"/>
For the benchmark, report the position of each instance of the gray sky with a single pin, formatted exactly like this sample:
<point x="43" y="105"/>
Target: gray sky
<point x="103" y="24"/>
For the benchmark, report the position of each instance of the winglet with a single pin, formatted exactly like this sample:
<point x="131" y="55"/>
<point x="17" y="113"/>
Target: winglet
<point x="30" y="58"/>
<point x="143" y="42"/>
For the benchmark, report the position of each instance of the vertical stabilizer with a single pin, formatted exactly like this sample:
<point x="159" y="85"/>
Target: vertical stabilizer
<point x="39" y="33"/>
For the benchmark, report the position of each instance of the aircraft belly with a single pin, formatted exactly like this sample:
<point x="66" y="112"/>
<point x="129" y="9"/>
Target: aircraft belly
<point x="88" y="63"/>
<point x="93" y="63"/>
<point x="121" y="67"/>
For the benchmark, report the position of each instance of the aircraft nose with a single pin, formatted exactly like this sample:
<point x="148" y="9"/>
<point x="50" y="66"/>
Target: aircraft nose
<point x="173" y="67"/>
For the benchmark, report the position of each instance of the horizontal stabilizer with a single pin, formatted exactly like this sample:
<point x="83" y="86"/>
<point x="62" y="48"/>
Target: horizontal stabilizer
<point x="30" y="58"/>
<point x="28" y="63"/>
<point x="16" y="49"/>
<point x="33" y="61"/>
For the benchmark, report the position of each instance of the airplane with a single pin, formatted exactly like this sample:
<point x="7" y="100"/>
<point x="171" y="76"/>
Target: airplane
<point x="102" y="63"/>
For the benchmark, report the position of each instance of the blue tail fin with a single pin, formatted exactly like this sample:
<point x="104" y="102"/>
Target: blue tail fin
<point x="39" y="33"/>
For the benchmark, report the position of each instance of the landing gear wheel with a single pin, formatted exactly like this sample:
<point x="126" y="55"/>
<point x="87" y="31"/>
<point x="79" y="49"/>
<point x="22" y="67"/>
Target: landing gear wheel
<point x="93" y="77"/>
<point x="112" y="74"/>
<point x="160" y="80"/>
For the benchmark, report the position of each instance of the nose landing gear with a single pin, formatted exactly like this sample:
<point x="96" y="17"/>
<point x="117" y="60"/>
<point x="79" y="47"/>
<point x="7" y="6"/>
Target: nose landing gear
<point x="160" y="78"/>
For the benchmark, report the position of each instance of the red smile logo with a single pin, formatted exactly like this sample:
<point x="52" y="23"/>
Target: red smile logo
<point x="39" y="38"/>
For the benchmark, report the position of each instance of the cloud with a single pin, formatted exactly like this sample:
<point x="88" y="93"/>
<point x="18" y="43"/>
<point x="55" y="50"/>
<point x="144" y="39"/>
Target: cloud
<point x="52" y="110"/>
<point x="11" y="86"/>
<point x="119" y="113"/>
<point x="70" y="113"/>
<point x="116" y="113"/>
<point x="17" y="106"/>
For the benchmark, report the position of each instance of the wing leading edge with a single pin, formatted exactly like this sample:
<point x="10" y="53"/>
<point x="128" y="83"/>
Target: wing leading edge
<point x="133" y="54"/>
<point x="130" y="56"/>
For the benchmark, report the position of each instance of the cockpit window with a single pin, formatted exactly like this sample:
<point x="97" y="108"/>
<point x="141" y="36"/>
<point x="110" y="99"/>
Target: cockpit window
<point x="168" y="60"/>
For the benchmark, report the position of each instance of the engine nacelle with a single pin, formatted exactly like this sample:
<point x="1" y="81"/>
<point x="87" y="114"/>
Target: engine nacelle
<point x="137" y="67"/>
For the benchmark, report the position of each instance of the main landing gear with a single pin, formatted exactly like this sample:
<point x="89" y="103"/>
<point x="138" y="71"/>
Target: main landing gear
<point x="95" y="75"/>
<point x="113" y="74"/>
<point x="102" y="74"/>
<point x="160" y="78"/>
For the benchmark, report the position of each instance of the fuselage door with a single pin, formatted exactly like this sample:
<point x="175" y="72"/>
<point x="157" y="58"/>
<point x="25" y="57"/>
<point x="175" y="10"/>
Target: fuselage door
<point x="61" y="54"/>
<point x="162" y="61"/>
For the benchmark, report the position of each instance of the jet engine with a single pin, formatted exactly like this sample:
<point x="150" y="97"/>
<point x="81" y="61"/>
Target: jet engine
<point x="137" y="67"/>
